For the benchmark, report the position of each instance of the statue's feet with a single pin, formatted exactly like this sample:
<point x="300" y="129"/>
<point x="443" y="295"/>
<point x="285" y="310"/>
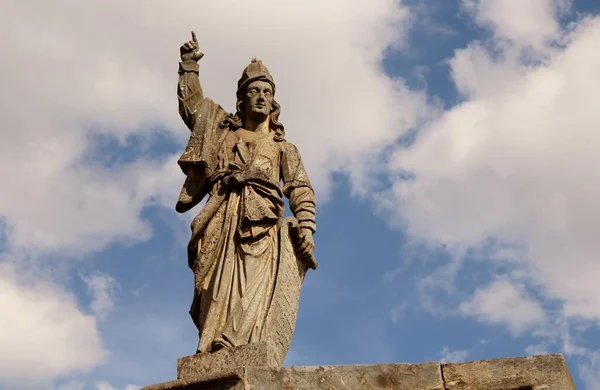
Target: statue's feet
<point x="219" y="343"/>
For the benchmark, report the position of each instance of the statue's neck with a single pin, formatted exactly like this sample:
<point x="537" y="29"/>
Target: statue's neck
<point x="257" y="126"/>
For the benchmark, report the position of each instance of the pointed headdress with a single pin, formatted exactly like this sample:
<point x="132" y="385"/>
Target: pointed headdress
<point x="256" y="70"/>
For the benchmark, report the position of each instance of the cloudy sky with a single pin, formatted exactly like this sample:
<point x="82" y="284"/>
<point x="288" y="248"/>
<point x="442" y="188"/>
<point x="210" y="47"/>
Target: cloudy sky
<point x="453" y="145"/>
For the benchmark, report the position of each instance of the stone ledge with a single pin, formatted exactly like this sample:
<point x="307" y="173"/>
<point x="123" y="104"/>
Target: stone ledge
<point x="425" y="376"/>
<point x="223" y="380"/>
<point x="260" y="354"/>
<point x="545" y="372"/>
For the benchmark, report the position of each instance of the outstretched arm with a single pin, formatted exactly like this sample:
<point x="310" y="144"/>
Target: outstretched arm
<point x="189" y="90"/>
<point x="202" y="116"/>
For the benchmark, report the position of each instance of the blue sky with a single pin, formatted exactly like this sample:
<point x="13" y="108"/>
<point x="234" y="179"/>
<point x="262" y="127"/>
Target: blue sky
<point x="452" y="145"/>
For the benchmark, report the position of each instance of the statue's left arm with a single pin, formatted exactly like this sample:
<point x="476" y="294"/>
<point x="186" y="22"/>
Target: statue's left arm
<point x="297" y="187"/>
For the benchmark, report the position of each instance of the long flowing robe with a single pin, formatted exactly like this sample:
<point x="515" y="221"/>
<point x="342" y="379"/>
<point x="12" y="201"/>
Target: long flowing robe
<point x="236" y="242"/>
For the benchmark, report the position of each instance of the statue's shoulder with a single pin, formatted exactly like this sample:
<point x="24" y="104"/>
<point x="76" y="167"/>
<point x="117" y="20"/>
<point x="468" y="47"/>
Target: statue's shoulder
<point x="214" y="107"/>
<point x="288" y="147"/>
<point x="290" y="155"/>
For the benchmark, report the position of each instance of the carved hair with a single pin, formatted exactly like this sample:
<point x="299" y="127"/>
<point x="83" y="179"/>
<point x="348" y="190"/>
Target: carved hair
<point x="235" y="121"/>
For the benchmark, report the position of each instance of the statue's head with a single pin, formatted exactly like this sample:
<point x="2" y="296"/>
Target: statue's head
<point x="255" y="71"/>
<point x="256" y="98"/>
<point x="257" y="101"/>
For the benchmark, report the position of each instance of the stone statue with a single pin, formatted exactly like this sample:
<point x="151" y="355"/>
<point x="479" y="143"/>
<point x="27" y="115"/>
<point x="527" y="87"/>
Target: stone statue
<point x="248" y="260"/>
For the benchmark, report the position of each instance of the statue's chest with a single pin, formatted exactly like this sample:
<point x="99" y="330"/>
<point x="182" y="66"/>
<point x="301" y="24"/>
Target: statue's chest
<point x="257" y="151"/>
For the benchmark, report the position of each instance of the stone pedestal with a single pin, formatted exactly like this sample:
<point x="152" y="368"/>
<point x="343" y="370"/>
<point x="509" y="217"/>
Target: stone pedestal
<point x="546" y="372"/>
<point x="262" y="354"/>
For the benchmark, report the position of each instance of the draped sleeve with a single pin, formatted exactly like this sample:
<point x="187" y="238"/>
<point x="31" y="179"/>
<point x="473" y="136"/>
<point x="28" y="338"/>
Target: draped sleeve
<point x="297" y="187"/>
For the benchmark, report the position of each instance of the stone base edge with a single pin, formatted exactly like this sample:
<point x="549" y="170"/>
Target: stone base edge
<point x="545" y="372"/>
<point x="261" y="354"/>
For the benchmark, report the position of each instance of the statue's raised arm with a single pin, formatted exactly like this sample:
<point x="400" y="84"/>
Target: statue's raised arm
<point x="204" y="118"/>
<point x="189" y="90"/>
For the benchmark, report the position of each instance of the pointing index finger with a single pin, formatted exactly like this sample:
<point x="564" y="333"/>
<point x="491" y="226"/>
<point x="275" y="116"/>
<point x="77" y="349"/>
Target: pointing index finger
<point x="194" y="36"/>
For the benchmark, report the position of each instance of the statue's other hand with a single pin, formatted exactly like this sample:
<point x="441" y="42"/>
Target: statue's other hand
<point x="306" y="243"/>
<point x="190" y="51"/>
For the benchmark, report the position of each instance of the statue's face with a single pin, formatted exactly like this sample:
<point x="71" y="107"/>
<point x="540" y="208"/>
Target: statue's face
<point x="258" y="100"/>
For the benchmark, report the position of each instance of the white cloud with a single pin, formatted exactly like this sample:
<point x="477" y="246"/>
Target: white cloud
<point x="517" y="163"/>
<point x="590" y="370"/>
<point x="103" y="288"/>
<point x="107" y="386"/>
<point x="537" y="349"/>
<point x="457" y="356"/>
<point x="501" y="303"/>
<point x="531" y="22"/>
<point x="43" y="334"/>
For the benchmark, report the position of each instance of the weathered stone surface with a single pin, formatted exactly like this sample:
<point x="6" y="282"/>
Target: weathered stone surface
<point x="546" y="372"/>
<point x="549" y="372"/>
<point x="426" y="376"/>
<point x="224" y="380"/>
<point x="250" y="355"/>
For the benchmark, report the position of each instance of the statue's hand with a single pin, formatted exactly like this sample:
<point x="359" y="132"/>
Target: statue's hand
<point x="234" y="180"/>
<point x="306" y="243"/>
<point x="190" y="51"/>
